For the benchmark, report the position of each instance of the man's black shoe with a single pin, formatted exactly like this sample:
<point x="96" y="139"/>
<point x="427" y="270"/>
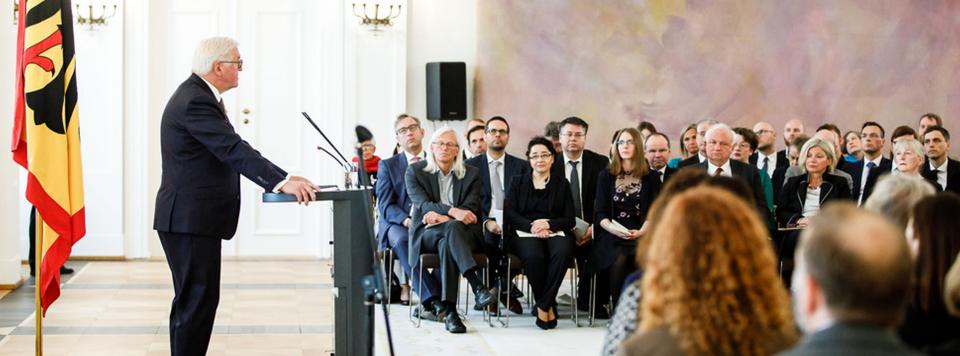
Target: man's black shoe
<point x="453" y="323"/>
<point x="484" y="297"/>
<point x="66" y="270"/>
<point x="425" y="315"/>
<point x="515" y="292"/>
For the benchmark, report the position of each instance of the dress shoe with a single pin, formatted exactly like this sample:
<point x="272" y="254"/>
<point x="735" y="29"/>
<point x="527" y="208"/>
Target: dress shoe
<point x="404" y="295"/>
<point x="453" y="323"/>
<point x="66" y="270"/>
<point x="425" y="315"/>
<point x="513" y="305"/>
<point x="484" y="297"/>
<point x="552" y="324"/>
<point x="542" y="324"/>
<point x="515" y="292"/>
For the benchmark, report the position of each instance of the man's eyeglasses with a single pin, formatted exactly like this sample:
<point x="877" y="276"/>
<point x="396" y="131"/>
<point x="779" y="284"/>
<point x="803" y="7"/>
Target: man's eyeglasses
<point x="404" y="130"/>
<point x="573" y="134"/>
<point x="498" y="132"/>
<point x="238" y="62"/>
<point x="761" y="132"/>
<point x="450" y="145"/>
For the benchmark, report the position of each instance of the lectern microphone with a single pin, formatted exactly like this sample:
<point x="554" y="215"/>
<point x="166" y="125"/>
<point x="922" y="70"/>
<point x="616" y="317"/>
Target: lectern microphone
<point x="314" y="124"/>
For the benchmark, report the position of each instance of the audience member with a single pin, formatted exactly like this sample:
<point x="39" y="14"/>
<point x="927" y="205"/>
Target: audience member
<point x="791" y="130"/>
<point x="927" y="120"/>
<point x="934" y="237"/>
<point x="780" y="175"/>
<point x="688" y="146"/>
<point x="471" y="124"/>
<point x="942" y="169"/>
<point x="658" y="151"/>
<point x="828" y="133"/>
<point x="446" y="206"/>
<point x="476" y="141"/>
<point x="767" y="148"/>
<point x="851" y="149"/>
<point x="542" y="205"/>
<point x="496" y="169"/>
<point x="951" y="289"/>
<point x="371" y="162"/>
<point x="894" y="196"/>
<point x="646" y="128"/>
<point x="745" y="143"/>
<point x="719" y="146"/>
<point x="851" y="284"/>
<point x="393" y="205"/>
<point x="625" y="192"/>
<point x="909" y="159"/>
<point x="733" y="305"/>
<point x="871" y="140"/>
<point x="580" y="167"/>
<point x="832" y="133"/>
<point x="552" y="132"/>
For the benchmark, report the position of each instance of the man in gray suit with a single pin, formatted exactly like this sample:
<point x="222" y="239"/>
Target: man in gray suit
<point x="850" y="285"/>
<point x="446" y="206"/>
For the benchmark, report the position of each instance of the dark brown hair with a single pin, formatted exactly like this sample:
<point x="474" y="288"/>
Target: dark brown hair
<point x="640" y="167"/>
<point x="937" y="229"/>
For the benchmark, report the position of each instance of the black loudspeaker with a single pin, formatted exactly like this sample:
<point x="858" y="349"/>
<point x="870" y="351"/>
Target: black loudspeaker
<point x="446" y="91"/>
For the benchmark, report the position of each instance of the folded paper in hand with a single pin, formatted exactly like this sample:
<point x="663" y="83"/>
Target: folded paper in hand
<point x="581" y="228"/>
<point x="527" y="234"/>
<point x="619" y="227"/>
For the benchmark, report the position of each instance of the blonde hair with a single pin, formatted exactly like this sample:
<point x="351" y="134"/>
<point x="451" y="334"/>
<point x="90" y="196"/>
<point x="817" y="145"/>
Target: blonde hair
<point x="458" y="168"/>
<point x="912" y="145"/>
<point x="824" y="145"/>
<point x="211" y="50"/>
<point x="711" y="278"/>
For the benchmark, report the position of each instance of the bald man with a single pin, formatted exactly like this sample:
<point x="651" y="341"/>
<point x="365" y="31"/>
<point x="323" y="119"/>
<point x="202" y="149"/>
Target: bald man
<point x="847" y="313"/>
<point x="791" y="130"/>
<point x="766" y="158"/>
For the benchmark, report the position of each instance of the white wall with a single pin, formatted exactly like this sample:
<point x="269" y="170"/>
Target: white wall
<point x="9" y="234"/>
<point x="440" y="31"/>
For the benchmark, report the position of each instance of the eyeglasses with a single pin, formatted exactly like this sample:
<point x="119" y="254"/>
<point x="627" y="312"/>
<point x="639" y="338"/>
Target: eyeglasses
<point x="540" y="156"/>
<point x="368" y="146"/>
<point x="498" y="132"/>
<point x="573" y="134"/>
<point x="449" y="145"/>
<point x="238" y="62"/>
<point x="404" y="130"/>
<point x="625" y="142"/>
<point x="761" y="132"/>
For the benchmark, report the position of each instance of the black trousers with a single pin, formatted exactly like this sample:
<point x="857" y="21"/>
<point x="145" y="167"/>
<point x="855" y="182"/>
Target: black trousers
<point x="195" y="264"/>
<point x="493" y="248"/>
<point x="545" y="262"/>
<point x="624" y="264"/>
<point x="454" y="242"/>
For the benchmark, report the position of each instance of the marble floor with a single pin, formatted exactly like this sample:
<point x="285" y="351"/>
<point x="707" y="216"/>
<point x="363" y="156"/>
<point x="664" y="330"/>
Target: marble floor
<point x="266" y="308"/>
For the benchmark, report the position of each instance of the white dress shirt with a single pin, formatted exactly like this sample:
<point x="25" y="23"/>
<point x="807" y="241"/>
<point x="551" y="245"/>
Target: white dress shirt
<point x="727" y="172"/>
<point x="566" y="170"/>
<point x="771" y="164"/>
<point x="941" y="173"/>
<point x="409" y="156"/>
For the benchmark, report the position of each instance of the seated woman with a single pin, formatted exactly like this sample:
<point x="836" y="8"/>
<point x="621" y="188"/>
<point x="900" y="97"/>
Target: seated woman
<point x="933" y="237"/>
<point x="625" y="192"/>
<point x="733" y="305"/>
<point x="541" y="205"/>
<point x="908" y="158"/>
<point x="370" y="160"/>
<point x="803" y="195"/>
<point x="688" y="146"/>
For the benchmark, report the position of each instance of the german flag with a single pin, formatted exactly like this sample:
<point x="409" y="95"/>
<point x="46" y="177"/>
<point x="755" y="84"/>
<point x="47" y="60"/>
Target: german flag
<point x="46" y="134"/>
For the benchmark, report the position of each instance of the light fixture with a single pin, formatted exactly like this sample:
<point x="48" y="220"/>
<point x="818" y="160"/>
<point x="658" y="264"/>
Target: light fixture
<point x="376" y="21"/>
<point x="91" y="20"/>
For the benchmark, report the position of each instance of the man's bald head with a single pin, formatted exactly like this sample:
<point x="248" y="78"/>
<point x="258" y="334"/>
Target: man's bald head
<point x="791" y="130"/>
<point x="861" y="263"/>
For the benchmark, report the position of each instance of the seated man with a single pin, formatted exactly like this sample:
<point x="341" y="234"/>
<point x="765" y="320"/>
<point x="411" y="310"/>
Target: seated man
<point x="444" y="220"/>
<point x="847" y="313"/>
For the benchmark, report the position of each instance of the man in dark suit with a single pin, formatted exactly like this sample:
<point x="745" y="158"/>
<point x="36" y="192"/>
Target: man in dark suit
<point x="445" y="220"/>
<point x="199" y="198"/>
<point x="873" y="163"/>
<point x="842" y="314"/>
<point x="767" y="148"/>
<point x="496" y="169"/>
<point x="658" y="154"/>
<point x="394" y="205"/>
<point x="719" y="146"/>
<point x="702" y="127"/>
<point x="941" y="169"/>
<point x="581" y="167"/>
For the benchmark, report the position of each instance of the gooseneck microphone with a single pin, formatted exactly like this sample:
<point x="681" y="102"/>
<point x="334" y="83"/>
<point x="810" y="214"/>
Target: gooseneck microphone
<point x="314" y="124"/>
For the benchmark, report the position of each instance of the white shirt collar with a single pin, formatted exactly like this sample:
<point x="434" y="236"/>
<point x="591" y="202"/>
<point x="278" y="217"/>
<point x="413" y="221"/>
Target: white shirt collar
<point x="942" y="167"/>
<point x="701" y="156"/>
<point x="875" y="161"/>
<point x="216" y="92"/>
<point x="568" y="159"/>
<point x="502" y="159"/>
<point x="727" y="172"/>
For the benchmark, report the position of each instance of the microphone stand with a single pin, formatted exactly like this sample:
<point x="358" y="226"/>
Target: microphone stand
<point x="373" y="285"/>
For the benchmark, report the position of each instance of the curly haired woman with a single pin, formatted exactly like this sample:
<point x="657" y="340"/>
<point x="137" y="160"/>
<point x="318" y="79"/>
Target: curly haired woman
<point x="711" y="285"/>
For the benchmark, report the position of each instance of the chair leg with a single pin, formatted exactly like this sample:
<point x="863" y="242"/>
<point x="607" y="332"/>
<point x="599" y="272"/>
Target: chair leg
<point x="593" y="298"/>
<point x="388" y="287"/>
<point x="574" y="313"/>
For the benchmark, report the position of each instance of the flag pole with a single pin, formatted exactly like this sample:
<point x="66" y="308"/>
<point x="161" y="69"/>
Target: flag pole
<point x="38" y="261"/>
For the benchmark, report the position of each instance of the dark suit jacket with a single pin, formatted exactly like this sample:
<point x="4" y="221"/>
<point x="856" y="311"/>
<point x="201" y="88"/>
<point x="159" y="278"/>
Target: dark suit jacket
<point x="795" y="195"/>
<point x="750" y="175"/>
<point x="512" y="166"/>
<point x="953" y="175"/>
<point x="782" y="160"/>
<point x="520" y="210"/>
<point x="392" y="200"/>
<point x="689" y="161"/>
<point x="203" y="158"/>
<point x="424" y="191"/>
<point x="856" y="170"/>
<point x="851" y="339"/>
<point x="592" y="163"/>
<point x="778" y="180"/>
<point x="604" y="248"/>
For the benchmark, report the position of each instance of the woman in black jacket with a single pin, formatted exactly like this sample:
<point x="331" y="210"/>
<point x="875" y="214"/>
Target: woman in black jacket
<point x="540" y="206"/>
<point x="625" y="192"/>
<point x="803" y="196"/>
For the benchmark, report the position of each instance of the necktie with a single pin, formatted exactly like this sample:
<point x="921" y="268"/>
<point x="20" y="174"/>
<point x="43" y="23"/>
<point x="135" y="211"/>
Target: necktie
<point x="870" y="167"/>
<point x="496" y="185"/>
<point x="658" y="175"/>
<point x="222" y="107"/>
<point x="863" y="182"/>
<point x="575" y="188"/>
<point x="718" y="172"/>
<point x="766" y="163"/>
<point x="415" y="159"/>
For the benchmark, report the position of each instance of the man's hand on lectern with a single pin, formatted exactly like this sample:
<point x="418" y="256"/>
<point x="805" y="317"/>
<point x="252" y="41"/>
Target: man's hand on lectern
<point x="302" y="188"/>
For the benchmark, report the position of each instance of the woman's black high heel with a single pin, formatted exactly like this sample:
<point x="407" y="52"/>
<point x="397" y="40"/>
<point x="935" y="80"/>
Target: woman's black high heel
<point x="542" y="324"/>
<point x="552" y="324"/>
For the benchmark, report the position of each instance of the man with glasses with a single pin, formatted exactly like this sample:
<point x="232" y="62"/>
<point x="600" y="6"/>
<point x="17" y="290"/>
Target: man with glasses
<point x="393" y="204"/>
<point x="873" y="164"/>
<point x="496" y="168"/>
<point x="445" y="219"/>
<point x="581" y="167"/>
<point x="767" y="158"/>
<point x="198" y="203"/>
